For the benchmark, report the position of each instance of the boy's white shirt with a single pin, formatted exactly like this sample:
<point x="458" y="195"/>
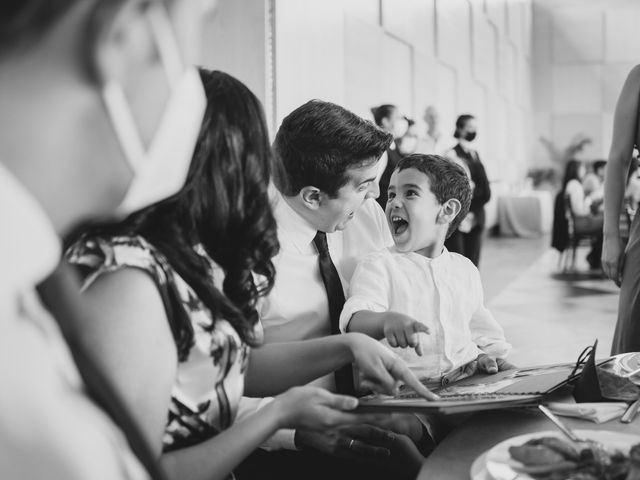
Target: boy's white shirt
<point x="445" y="293"/>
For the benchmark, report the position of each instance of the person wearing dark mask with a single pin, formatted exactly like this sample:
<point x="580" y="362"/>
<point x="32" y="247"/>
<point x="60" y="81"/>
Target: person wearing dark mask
<point x="390" y="119"/>
<point x="467" y="240"/>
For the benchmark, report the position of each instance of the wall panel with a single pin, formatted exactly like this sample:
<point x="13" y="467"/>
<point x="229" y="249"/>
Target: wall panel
<point x="578" y="35"/>
<point x="309" y="53"/>
<point x="577" y="89"/>
<point x="622" y="40"/>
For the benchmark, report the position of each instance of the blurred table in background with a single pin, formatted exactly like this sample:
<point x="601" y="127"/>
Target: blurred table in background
<point x="528" y="214"/>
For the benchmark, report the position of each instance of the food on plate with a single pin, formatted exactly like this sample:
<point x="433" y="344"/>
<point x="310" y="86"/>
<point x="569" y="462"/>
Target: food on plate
<point x="536" y="455"/>
<point x="551" y="458"/>
<point x="566" y="449"/>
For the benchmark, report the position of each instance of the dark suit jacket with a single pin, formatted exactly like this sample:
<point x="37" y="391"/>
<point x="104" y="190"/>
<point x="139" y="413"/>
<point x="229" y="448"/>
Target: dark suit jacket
<point x="482" y="191"/>
<point x="393" y="158"/>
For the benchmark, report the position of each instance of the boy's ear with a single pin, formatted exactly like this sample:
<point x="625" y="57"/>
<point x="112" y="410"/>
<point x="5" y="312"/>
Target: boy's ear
<point x="450" y="210"/>
<point x="311" y="197"/>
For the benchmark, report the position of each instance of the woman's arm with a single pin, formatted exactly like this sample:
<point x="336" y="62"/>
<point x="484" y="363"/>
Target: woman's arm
<point x="129" y="336"/>
<point x="303" y="407"/>
<point x="625" y="129"/>
<point x="275" y="367"/>
<point x="131" y="339"/>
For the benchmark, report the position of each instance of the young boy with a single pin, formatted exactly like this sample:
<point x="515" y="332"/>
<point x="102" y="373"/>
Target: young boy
<point x="417" y="294"/>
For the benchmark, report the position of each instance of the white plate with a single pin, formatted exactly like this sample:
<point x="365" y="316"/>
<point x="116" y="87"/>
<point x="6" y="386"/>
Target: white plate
<point x="499" y="461"/>
<point x="479" y="468"/>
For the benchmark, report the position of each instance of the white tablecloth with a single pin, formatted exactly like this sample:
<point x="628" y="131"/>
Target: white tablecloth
<point x="527" y="215"/>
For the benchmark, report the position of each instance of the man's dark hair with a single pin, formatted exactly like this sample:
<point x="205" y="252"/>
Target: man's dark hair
<point x="599" y="164"/>
<point x="447" y="180"/>
<point x="318" y="142"/>
<point x="382" y="111"/>
<point x="461" y="122"/>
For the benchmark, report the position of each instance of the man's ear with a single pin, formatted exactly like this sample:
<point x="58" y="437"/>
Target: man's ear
<point x="450" y="209"/>
<point x="311" y="197"/>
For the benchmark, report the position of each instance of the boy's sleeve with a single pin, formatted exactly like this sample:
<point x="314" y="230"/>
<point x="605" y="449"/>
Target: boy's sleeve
<point x="486" y="332"/>
<point x="369" y="290"/>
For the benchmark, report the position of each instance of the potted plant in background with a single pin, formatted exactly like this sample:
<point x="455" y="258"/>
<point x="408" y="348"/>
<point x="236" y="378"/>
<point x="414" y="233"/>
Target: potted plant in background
<point x="549" y="177"/>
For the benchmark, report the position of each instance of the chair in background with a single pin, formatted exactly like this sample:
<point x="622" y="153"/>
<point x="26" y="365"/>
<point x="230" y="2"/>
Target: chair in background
<point x="576" y="238"/>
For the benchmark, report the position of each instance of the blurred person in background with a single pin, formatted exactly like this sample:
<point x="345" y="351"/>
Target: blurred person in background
<point x="467" y="239"/>
<point x="391" y="120"/>
<point x="432" y="141"/>
<point x="100" y="110"/>
<point x="593" y="182"/>
<point x="588" y="220"/>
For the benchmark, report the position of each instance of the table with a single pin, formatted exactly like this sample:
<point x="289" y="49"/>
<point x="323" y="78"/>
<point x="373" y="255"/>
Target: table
<point x="525" y="215"/>
<point x="452" y="459"/>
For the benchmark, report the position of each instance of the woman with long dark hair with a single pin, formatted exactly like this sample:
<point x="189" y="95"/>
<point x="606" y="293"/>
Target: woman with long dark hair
<point x="174" y="289"/>
<point x="586" y="222"/>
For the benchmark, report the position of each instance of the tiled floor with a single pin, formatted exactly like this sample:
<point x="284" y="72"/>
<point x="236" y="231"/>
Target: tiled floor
<point x="547" y="317"/>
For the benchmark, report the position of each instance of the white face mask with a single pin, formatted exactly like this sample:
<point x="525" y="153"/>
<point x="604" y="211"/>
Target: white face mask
<point x="161" y="169"/>
<point x="400" y="127"/>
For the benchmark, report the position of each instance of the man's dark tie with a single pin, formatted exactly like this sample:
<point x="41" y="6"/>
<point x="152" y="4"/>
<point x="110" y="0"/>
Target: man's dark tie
<point x="335" y="294"/>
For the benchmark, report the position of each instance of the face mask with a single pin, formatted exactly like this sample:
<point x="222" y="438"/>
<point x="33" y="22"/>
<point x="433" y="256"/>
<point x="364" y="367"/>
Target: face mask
<point x="161" y="169"/>
<point x="400" y="128"/>
<point x="470" y="136"/>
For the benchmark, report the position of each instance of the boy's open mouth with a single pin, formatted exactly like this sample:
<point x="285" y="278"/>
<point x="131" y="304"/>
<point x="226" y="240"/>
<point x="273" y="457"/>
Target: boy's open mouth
<point x="399" y="225"/>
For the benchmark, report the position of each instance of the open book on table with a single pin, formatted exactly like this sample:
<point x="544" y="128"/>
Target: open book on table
<point x="519" y="387"/>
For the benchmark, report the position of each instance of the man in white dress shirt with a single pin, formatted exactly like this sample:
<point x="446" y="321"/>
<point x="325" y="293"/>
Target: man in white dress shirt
<point x="66" y="67"/>
<point x="329" y="162"/>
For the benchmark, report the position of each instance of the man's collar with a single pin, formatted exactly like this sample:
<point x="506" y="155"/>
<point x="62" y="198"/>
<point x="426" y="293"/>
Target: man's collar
<point x="296" y="228"/>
